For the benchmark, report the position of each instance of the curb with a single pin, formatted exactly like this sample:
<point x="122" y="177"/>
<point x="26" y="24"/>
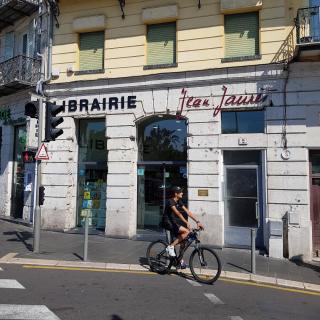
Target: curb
<point x="10" y="259"/>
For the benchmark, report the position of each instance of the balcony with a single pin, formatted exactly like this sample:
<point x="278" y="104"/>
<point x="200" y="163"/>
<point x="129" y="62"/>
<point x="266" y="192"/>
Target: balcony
<point x="13" y="10"/>
<point x="308" y="33"/>
<point x="18" y="73"/>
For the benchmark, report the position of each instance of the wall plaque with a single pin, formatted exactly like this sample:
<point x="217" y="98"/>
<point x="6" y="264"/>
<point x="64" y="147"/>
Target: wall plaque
<point x="203" y="192"/>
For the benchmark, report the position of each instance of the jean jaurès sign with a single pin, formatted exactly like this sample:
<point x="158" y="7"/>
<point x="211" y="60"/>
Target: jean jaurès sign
<point x="217" y="104"/>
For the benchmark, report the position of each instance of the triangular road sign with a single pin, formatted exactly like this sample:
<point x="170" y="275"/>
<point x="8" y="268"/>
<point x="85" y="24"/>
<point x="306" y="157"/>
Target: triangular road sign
<point x="42" y="153"/>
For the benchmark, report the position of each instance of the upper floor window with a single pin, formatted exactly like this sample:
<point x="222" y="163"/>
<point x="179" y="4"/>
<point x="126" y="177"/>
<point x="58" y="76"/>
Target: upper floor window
<point x="241" y="36"/>
<point x="161" y="45"/>
<point x="91" y="51"/>
<point x="242" y="121"/>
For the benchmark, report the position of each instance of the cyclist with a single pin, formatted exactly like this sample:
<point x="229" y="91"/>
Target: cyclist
<point x="176" y="219"/>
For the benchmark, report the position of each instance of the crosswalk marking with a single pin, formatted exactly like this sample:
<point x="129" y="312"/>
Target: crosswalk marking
<point x="194" y="283"/>
<point x="214" y="299"/>
<point x="10" y="284"/>
<point x="13" y="311"/>
<point x="235" y="318"/>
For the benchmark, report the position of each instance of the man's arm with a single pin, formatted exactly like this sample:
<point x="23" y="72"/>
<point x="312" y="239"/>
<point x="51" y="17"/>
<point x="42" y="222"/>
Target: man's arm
<point x="192" y="216"/>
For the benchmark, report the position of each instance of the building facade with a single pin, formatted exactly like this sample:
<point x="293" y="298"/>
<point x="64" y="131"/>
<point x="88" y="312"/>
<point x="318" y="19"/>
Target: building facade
<point x="20" y="70"/>
<point x="220" y="97"/>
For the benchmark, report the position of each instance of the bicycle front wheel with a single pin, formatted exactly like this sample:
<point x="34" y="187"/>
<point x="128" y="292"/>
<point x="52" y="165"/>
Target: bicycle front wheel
<point x="205" y="265"/>
<point x="158" y="258"/>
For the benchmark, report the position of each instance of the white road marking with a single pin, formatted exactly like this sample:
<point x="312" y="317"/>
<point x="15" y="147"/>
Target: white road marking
<point x="1" y="269"/>
<point x="214" y="299"/>
<point x="10" y="284"/>
<point x="194" y="283"/>
<point x="235" y="318"/>
<point x="25" y="312"/>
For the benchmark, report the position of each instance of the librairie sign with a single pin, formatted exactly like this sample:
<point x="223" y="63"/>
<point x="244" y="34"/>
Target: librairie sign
<point x="188" y="102"/>
<point x="99" y="104"/>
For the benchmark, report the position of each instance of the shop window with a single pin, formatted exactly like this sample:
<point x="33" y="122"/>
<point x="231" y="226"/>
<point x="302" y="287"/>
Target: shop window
<point x="91" y="51"/>
<point x="163" y="139"/>
<point x="161" y="45"/>
<point x="92" y="172"/>
<point x="242" y="121"/>
<point x="241" y="37"/>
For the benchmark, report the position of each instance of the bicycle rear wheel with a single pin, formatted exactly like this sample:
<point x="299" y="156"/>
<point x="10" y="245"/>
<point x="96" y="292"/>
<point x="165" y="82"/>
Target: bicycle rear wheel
<point x="205" y="265"/>
<point x="158" y="258"/>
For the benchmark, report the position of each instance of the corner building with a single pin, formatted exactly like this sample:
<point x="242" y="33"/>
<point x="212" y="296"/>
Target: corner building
<point x="220" y="98"/>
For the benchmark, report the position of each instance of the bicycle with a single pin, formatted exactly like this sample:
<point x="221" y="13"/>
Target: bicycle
<point x="204" y="262"/>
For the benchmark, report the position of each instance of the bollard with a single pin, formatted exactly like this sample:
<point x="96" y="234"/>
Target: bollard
<point x="86" y="232"/>
<point x="253" y="249"/>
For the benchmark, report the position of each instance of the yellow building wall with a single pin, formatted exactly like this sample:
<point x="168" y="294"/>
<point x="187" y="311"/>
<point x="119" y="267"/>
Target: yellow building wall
<point x="200" y="35"/>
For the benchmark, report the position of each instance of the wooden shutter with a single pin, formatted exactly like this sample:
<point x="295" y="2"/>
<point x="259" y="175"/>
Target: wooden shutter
<point x="161" y="44"/>
<point x="91" y="49"/>
<point x="242" y="35"/>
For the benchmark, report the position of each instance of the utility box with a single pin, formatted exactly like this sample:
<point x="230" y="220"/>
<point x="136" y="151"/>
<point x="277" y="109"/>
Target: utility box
<point x="276" y="229"/>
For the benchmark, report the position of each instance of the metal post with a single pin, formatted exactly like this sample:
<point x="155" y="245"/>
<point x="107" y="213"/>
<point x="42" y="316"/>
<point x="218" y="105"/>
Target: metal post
<point x="86" y="233"/>
<point x="37" y="215"/>
<point x="253" y="249"/>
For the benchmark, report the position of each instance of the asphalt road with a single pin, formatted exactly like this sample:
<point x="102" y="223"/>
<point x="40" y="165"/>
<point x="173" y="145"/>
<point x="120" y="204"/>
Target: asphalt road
<point x="83" y="295"/>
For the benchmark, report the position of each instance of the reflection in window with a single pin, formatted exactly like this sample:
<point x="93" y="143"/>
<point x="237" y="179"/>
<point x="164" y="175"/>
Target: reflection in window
<point x="315" y="160"/>
<point x="92" y="173"/>
<point x="242" y="121"/>
<point x="163" y="140"/>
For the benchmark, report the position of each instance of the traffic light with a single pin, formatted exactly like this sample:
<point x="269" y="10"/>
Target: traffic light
<point x="52" y="121"/>
<point x="31" y="110"/>
<point x="41" y="195"/>
<point x="28" y="156"/>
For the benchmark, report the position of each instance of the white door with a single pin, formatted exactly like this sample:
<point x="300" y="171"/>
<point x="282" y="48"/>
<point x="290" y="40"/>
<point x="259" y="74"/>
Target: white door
<point x="315" y="20"/>
<point x="8" y="45"/>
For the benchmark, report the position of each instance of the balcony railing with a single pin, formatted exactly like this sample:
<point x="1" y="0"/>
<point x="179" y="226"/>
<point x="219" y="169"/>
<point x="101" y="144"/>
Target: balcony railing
<point x="308" y="25"/>
<point x="18" y="73"/>
<point x="13" y="10"/>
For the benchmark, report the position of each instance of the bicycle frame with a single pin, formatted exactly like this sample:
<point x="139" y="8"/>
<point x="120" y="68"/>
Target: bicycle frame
<point x="174" y="261"/>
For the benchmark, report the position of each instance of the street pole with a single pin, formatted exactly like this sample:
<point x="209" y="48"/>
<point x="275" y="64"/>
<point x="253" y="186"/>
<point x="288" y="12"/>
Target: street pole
<point x="253" y="250"/>
<point x="86" y="237"/>
<point x="37" y="216"/>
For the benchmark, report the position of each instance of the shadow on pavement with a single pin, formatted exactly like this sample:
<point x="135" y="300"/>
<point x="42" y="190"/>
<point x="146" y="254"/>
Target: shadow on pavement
<point x="22" y="237"/>
<point x="298" y="261"/>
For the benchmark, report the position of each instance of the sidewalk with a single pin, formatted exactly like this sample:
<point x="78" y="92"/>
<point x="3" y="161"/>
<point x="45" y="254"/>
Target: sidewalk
<point x="65" y="247"/>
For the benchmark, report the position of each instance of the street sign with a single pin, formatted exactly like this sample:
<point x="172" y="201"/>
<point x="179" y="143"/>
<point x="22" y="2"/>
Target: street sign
<point x="42" y="153"/>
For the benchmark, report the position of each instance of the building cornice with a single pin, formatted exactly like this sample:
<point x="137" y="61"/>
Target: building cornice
<point x="168" y="80"/>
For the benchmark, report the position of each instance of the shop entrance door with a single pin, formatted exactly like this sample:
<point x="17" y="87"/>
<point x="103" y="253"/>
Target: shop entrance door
<point x="243" y="197"/>
<point x="315" y="200"/>
<point x="17" y="195"/>
<point x="154" y="183"/>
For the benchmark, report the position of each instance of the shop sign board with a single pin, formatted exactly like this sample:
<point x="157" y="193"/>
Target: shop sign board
<point x="5" y="115"/>
<point x="42" y="153"/>
<point x="226" y="100"/>
<point x="99" y="104"/>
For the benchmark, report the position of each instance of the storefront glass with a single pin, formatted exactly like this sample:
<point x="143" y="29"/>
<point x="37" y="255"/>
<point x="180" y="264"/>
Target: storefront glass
<point x="162" y="164"/>
<point x="17" y="197"/>
<point x="92" y="172"/>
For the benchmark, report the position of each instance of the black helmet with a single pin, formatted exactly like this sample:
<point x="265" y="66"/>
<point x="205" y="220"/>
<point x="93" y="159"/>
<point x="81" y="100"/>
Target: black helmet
<point x="176" y="189"/>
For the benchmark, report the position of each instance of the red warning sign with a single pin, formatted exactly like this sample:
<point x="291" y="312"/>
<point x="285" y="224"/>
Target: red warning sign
<point x="42" y="153"/>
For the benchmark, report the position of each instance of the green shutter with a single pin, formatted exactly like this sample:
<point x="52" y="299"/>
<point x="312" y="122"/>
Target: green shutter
<point x="242" y="34"/>
<point x="91" y="49"/>
<point x="161" y="44"/>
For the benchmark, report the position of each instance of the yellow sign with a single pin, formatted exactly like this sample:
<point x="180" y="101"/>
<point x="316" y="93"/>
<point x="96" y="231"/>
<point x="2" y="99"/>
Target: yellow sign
<point x="203" y="192"/>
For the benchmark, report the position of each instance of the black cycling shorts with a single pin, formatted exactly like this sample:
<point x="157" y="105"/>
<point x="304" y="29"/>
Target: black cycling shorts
<point x="172" y="225"/>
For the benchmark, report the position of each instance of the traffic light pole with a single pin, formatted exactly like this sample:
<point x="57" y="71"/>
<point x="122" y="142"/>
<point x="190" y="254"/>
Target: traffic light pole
<point x="37" y="215"/>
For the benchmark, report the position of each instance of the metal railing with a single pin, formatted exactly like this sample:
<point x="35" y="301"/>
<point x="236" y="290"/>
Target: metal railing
<point x="308" y="25"/>
<point x="20" y="69"/>
<point x="4" y="2"/>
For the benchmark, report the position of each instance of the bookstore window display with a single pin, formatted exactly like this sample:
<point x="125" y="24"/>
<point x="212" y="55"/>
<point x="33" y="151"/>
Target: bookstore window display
<point x="92" y="173"/>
